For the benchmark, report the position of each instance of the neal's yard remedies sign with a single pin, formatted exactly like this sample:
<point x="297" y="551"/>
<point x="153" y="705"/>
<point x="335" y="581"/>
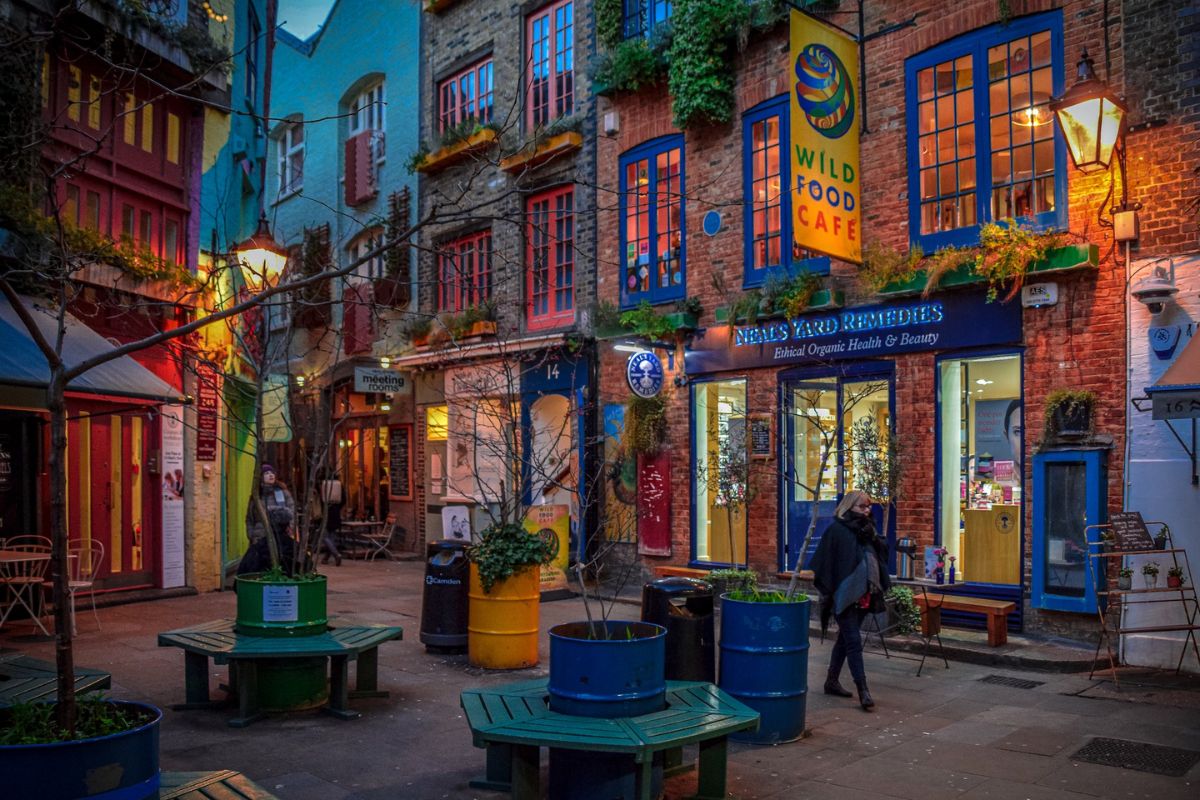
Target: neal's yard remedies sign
<point x="824" y="140"/>
<point x="952" y="321"/>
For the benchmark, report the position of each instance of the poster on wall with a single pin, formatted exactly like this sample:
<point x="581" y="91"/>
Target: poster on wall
<point x="206" y="412"/>
<point x="173" y="487"/>
<point x="824" y="131"/>
<point x="552" y="524"/>
<point x="456" y="523"/>
<point x="621" y="470"/>
<point x="998" y="435"/>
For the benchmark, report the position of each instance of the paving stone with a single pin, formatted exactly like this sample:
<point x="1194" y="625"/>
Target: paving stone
<point x="1038" y="741"/>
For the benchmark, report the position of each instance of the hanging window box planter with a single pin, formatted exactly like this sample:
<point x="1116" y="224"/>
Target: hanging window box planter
<point x="532" y="157"/>
<point x="824" y="299"/>
<point x="451" y="154"/>
<point x="682" y="321"/>
<point x="438" y="6"/>
<point x="1061" y="259"/>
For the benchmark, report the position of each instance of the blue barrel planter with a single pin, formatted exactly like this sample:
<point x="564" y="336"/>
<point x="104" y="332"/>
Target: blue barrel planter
<point x="622" y="675"/>
<point x="764" y="664"/>
<point x="121" y="766"/>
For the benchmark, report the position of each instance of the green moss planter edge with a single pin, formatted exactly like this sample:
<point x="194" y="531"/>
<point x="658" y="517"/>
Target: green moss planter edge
<point x="1062" y="259"/>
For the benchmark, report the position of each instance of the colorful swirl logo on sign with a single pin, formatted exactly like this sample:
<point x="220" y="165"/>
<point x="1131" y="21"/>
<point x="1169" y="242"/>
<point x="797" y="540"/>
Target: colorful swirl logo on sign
<point x="824" y="91"/>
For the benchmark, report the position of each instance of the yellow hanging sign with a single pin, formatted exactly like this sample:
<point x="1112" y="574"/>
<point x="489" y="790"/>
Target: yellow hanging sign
<point x="825" y="140"/>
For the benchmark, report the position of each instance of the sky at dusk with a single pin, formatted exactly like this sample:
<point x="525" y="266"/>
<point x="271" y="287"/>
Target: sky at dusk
<point x="301" y="18"/>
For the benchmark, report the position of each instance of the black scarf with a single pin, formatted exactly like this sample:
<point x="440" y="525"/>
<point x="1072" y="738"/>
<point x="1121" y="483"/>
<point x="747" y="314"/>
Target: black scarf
<point x="862" y="525"/>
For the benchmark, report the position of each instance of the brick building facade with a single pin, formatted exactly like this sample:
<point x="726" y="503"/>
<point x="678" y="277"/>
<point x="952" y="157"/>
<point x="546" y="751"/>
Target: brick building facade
<point x="1075" y="343"/>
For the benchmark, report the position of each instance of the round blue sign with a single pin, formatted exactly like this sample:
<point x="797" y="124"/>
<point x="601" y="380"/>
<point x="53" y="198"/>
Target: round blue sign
<point x="645" y="374"/>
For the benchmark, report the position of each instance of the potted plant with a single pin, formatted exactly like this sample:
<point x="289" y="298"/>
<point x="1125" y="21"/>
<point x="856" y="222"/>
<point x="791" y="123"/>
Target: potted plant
<point x="764" y="660"/>
<point x="686" y="315"/>
<point x="730" y="580"/>
<point x="903" y="614"/>
<point x="1107" y="537"/>
<point x="1069" y="413"/>
<point x="1150" y="574"/>
<point x="503" y="597"/>
<point x="114" y="751"/>
<point x="1175" y="577"/>
<point x="1160" y="539"/>
<point x="1125" y="579"/>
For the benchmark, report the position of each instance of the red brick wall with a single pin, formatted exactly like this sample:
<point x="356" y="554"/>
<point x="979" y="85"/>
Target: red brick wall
<point x="1078" y="342"/>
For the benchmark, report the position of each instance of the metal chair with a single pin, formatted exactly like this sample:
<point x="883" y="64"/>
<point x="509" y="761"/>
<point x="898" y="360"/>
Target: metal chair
<point x="883" y="624"/>
<point x="84" y="560"/>
<point x="934" y="627"/>
<point x="380" y="542"/>
<point x="22" y="574"/>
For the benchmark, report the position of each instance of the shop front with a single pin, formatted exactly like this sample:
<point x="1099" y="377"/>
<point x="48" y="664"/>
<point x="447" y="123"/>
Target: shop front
<point x="816" y="399"/>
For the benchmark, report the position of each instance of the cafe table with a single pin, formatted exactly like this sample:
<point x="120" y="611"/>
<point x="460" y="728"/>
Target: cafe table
<point x="20" y="591"/>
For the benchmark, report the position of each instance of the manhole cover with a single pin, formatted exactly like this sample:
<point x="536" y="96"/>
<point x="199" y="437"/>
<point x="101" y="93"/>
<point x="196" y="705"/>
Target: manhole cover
<point x="1012" y="683"/>
<point x="1143" y="757"/>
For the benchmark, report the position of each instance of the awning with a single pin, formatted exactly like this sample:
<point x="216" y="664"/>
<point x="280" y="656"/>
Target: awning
<point x="1176" y="395"/>
<point x="23" y="365"/>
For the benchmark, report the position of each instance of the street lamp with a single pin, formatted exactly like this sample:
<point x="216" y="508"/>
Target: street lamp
<point x="262" y="258"/>
<point x="1091" y="117"/>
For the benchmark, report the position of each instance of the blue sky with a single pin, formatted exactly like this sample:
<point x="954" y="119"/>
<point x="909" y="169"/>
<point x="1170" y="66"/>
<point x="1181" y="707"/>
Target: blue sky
<point x="302" y="17"/>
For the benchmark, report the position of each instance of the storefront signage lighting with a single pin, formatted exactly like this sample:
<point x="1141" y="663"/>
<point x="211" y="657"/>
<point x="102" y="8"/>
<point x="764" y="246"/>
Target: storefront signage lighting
<point x="850" y="320"/>
<point x="299" y="381"/>
<point x="386" y="381"/>
<point x="385" y="362"/>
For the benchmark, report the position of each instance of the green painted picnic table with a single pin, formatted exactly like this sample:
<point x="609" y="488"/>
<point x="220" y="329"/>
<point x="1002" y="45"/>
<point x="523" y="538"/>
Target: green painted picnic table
<point x="221" y="785"/>
<point x="220" y="641"/>
<point x="513" y="722"/>
<point x="27" y="680"/>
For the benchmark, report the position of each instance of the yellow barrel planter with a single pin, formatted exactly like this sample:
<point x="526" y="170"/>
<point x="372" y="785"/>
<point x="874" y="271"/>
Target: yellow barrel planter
<point x="502" y="632"/>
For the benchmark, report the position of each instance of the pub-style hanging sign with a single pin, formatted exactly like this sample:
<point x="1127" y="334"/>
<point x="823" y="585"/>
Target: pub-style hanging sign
<point x="950" y="321"/>
<point x="825" y="140"/>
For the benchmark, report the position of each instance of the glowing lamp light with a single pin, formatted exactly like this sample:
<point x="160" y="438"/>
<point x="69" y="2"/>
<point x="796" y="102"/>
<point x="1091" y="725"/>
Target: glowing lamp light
<point x="1091" y="118"/>
<point x="262" y="258"/>
<point x="300" y="381"/>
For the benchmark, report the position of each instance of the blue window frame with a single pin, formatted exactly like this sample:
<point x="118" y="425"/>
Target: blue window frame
<point x="653" y="242"/>
<point x="642" y="15"/>
<point x="982" y="143"/>
<point x="766" y="181"/>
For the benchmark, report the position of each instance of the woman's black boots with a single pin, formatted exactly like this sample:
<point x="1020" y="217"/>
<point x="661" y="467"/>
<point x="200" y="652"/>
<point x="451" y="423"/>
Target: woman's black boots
<point x="864" y="696"/>
<point x="834" y="687"/>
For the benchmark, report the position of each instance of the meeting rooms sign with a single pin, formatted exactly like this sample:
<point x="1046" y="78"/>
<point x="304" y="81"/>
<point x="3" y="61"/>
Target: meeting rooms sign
<point x="386" y="381"/>
<point x="952" y="321"/>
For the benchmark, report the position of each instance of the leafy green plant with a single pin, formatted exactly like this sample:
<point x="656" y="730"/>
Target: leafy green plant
<point x="633" y="64"/>
<point x="1125" y="572"/>
<point x="690" y="305"/>
<point x="904" y="606"/>
<point x="700" y="72"/>
<point x="34" y="723"/>
<point x="504" y="549"/>
<point x="277" y="574"/>
<point x="1003" y="257"/>
<point x="645" y="424"/>
<point x="647" y="322"/>
<point x="1150" y="568"/>
<point x="606" y="316"/>
<point x="882" y="264"/>
<point x="790" y="295"/>
<point x="460" y="325"/>
<point x="610" y="22"/>
<point x="769" y="596"/>
<point x="734" y="580"/>
<point x="416" y="326"/>
<point x="1067" y="402"/>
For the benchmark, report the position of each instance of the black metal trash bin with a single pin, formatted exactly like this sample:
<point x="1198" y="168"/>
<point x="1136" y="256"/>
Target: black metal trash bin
<point x="444" y="604"/>
<point x="684" y="606"/>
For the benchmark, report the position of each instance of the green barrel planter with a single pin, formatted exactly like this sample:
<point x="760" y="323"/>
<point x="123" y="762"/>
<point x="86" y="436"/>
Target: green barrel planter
<point x="281" y="608"/>
<point x="292" y="684"/>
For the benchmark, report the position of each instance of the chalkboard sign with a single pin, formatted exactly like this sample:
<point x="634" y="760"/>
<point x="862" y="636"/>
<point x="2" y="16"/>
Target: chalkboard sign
<point x="1129" y="531"/>
<point x="760" y="435"/>
<point x="400" y="462"/>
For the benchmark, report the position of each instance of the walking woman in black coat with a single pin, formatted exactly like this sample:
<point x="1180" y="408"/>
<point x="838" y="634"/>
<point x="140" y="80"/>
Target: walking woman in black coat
<point x="850" y="572"/>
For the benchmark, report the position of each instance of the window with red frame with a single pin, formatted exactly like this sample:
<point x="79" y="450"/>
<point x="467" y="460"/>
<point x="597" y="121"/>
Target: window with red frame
<point x="465" y="272"/>
<point x="551" y="59"/>
<point x="550" y="258"/>
<point x="466" y="95"/>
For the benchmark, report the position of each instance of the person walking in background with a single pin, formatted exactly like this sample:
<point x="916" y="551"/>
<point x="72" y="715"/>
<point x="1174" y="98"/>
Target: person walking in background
<point x="274" y="494"/>
<point x="849" y="570"/>
<point x="331" y="496"/>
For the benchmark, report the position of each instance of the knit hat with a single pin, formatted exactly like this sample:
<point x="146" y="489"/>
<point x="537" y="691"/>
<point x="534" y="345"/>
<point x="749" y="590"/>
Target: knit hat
<point x="267" y="468"/>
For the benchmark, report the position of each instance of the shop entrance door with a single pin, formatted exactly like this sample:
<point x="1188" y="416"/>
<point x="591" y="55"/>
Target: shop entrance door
<point x="819" y="418"/>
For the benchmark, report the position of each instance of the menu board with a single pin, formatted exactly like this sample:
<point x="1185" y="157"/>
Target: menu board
<point x="1130" y="532"/>
<point x="400" y="462"/>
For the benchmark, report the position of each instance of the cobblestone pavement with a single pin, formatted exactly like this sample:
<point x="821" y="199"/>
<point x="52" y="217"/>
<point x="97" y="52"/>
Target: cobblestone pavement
<point x="943" y="735"/>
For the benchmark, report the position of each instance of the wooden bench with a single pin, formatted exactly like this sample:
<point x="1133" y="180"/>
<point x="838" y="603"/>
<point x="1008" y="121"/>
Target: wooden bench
<point x="513" y="722"/>
<point x="221" y="785"/>
<point x="221" y="642"/>
<point x="28" y="680"/>
<point x="996" y="611"/>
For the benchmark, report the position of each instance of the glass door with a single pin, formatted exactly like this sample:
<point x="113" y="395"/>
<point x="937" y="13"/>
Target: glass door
<point x="820" y="459"/>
